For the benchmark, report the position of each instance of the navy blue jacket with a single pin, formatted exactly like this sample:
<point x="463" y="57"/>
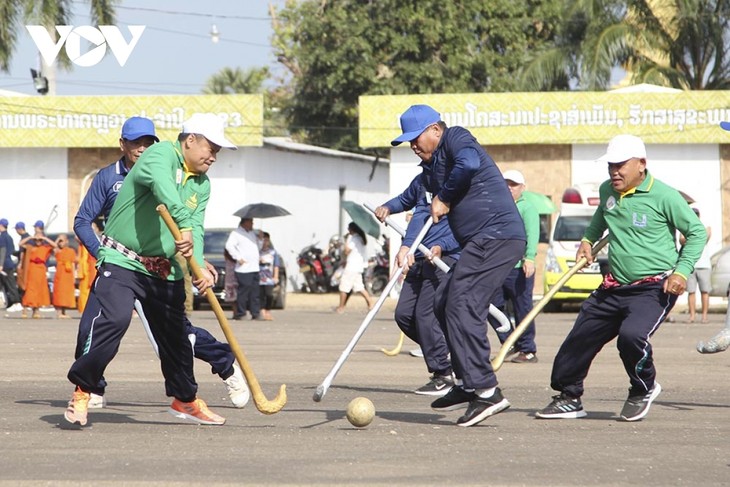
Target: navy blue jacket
<point x="466" y="177"/>
<point x="99" y="201"/>
<point x="6" y="241"/>
<point x="416" y="196"/>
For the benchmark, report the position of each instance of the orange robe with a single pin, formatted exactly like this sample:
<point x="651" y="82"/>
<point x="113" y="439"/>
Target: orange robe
<point x="86" y="273"/>
<point x="64" y="288"/>
<point x="36" y="285"/>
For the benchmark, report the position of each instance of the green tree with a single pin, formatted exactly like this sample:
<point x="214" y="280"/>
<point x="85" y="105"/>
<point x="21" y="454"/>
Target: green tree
<point x="237" y="80"/>
<point x="17" y="13"/>
<point x="673" y="43"/>
<point x="336" y="51"/>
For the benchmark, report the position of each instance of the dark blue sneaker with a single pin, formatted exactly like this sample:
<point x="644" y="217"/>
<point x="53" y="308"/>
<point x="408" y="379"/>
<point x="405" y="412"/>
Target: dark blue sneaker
<point x="562" y="407"/>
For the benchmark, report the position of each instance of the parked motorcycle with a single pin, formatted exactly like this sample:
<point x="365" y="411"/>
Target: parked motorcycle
<point x="319" y="268"/>
<point x="377" y="274"/>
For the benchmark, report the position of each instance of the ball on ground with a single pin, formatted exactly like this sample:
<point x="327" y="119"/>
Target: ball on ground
<point x="360" y="412"/>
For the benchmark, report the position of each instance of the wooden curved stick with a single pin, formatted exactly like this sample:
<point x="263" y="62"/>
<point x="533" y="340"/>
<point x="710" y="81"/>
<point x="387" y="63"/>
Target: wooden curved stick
<point x="397" y="349"/>
<point x="262" y="404"/>
<point x="512" y="338"/>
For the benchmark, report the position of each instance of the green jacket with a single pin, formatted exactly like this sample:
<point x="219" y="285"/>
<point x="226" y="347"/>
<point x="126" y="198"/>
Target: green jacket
<point x="531" y="219"/>
<point x="159" y="176"/>
<point x="642" y="225"/>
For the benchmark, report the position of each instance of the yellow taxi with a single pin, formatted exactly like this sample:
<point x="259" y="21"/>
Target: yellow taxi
<point x="577" y="207"/>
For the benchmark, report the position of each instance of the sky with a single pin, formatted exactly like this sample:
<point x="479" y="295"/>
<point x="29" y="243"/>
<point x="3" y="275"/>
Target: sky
<point x="174" y="54"/>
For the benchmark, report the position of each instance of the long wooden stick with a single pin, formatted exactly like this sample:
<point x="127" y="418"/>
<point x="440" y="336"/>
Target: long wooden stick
<point x="499" y="359"/>
<point x="262" y="404"/>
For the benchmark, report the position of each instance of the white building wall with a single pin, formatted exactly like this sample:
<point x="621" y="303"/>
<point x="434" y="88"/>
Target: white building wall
<point x="32" y="182"/>
<point x="306" y="184"/>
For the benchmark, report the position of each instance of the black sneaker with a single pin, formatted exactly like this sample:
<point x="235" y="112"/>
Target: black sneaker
<point x="637" y="406"/>
<point x="483" y="407"/>
<point x="439" y="385"/>
<point x="562" y="407"/>
<point x="456" y="398"/>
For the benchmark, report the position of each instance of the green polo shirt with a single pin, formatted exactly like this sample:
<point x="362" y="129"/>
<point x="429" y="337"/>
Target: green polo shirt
<point x="159" y="176"/>
<point x="642" y="225"/>
<point x="531" y="219"/>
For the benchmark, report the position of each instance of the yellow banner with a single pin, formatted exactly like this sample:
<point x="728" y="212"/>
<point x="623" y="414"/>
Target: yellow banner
<point x="96" y="121"/>
<point x="559" y="118"/>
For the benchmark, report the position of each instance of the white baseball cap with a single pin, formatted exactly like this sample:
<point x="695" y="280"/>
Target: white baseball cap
<point x="622" y="148"/>
<point x="209" y="126"/>
<point x="514" y="176"/>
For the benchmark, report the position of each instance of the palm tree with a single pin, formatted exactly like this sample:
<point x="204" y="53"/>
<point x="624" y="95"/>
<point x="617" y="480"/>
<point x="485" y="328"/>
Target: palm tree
<point x="673" y="43"/>
<point x="231" y="81"/>
<point x="17" y="13"/>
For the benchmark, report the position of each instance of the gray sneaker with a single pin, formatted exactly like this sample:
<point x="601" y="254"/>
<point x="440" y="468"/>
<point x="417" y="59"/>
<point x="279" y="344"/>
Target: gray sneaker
<point x="563" y="407"/>
<point x="637" y="406"/>
<point x="439" y="385"/>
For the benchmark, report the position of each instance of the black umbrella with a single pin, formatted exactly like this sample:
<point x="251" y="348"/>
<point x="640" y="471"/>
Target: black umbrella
<point x="362" y="218"/>
<point x="261" y="210"/>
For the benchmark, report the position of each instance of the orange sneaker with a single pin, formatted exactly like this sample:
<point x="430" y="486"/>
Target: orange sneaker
<point x="196" y="411"/>
<point x="77" y="410"/>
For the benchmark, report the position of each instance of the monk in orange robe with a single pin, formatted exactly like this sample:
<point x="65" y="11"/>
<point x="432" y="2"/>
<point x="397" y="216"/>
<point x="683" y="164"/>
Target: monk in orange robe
<point x="38" y="249"/>
<point x="64" y="287"/>
<point x="86" y="272"/>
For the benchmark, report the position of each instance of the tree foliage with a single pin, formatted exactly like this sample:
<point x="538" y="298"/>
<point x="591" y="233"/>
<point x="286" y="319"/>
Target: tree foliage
<point x="336" y="51"/>
<point x="673" y="43"/>
<point x="17" y="13"/>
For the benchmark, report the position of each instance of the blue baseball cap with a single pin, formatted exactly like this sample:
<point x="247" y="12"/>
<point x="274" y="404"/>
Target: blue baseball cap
<point x="20" y="225"/>
<point x="414" y="121"/>
<point x="39" y="224"/>
<point x="725" y="125"/>
<point x="137" y="127"/>
<point x="4" y="222"/>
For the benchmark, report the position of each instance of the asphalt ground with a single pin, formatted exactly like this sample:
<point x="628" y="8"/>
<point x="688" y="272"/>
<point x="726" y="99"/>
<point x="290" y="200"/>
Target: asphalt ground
<point x="683" y="441"/>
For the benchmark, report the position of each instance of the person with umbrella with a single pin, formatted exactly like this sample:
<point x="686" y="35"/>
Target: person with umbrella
<point x="355" y="252"/>
<point x="521" y="280"/>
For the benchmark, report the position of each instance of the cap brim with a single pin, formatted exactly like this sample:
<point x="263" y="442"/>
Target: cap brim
<point x="725" y="125"/>
<point x="139" y="136"/>
<point x="223" y="142"/>
<point x="407" y="137"/>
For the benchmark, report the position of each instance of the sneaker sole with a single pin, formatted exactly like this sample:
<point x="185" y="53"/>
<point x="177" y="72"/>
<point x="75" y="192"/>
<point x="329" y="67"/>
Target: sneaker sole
<point x="194" y="419"/>
<point x="571" y="415"/>
<point x="440" y="393"/>
<point x="490" y="411"/>
<point x="453" y="407"/>
<point x="654" y="395"/>
<point x="71" y="423"/>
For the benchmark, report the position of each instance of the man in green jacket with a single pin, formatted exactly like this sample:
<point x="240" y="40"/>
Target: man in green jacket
<point x="136" y="262"/>
<point x="647" y="274"/>
<point x="518" y="285"/>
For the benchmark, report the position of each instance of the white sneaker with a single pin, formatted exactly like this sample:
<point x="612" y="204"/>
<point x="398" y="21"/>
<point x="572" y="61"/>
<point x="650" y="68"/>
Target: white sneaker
<point x="15" y="308"/>
<point x="416" y="352"/>
<point x="96" y="401"/>
<point x="237" y="389"/>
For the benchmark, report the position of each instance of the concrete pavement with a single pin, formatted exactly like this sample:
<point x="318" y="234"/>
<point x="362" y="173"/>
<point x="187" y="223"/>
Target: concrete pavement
<point x="683" y="441"/>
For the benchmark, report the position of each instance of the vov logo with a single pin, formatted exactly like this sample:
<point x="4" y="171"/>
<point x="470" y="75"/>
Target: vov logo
<point x="70" y="37"/>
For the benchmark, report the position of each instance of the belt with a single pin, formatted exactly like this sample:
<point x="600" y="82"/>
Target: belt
<point x="160" y="266"/>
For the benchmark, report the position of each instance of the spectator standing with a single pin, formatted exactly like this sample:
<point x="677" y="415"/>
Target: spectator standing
<point x="8" y="281"/>
<point x="269" y="263"/>
<point x="355" y="253"/>
<point x="38" y="249"/>
<point x="700" y="277"/>
<point x="243" y="246"/>
<point x="64" y="281"/>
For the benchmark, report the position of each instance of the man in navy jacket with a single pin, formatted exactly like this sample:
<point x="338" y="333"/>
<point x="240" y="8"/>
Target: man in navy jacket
<point x="466" y="184"/>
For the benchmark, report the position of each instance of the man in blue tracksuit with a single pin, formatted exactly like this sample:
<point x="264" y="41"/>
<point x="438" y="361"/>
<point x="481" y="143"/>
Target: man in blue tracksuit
<point x="467" y="185"/>
<point x="137" y="134"/>
<point x="414" y="312"/>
